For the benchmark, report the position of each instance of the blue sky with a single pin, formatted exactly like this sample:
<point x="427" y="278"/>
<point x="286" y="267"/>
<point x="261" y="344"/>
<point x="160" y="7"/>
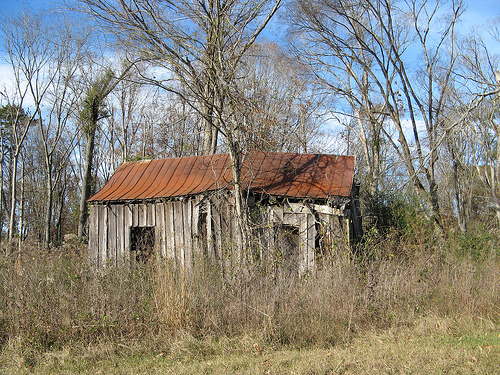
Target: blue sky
<point x="476" y="16"/>
<point x="478" y="11"/>
<point x="8" y="5"/>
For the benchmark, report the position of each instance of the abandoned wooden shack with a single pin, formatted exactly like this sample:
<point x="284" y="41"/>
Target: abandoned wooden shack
<point x="302" y="206"/>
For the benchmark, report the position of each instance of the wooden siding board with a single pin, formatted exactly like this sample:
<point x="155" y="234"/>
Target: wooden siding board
<point x="143" y="215"/>
<point x="170" y="231"/>
<point x="292" y="219"/>
<point x="324" y="209"/>
<point x="307" y="238"/>
<point x="179" y="233"/>
<point x="217" y="228"/>
<point x="128" y="213"/>
<point x="103" y="234"/>
<point x="347" y="224"/>
<point x="276" y="214"/>
<point x="111" y="251"/>
<point x="194" y="228"/>
<point x="210" y="231"/>
<point x="229" y="230"/>
<point x="160" y="229"/>
<point x="151" y="214"/>
<point x="188" y="222"/>
<point x="299" y="208"/>
<point x="302" y="242"/>
<point x="311" y="241"/>
<point x="135" y="215"/>
<point x="120" y="231"/>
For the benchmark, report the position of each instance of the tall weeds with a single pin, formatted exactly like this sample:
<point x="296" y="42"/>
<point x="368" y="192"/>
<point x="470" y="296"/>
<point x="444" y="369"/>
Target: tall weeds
<point x="52" y="300"/>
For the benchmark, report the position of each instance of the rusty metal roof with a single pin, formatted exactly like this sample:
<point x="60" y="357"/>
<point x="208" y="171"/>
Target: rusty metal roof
<point x="279" y="174"/>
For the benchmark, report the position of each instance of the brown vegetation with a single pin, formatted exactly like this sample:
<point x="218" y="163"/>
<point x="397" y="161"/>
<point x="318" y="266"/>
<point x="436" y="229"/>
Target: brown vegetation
<point x="51" y="302"/>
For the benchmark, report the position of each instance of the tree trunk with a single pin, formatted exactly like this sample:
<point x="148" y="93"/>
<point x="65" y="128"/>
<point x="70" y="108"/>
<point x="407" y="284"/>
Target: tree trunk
<point x="13" y="201"/>
<point x="1" y="190"/>
<point x="240" y="206"/>
<point x="21" y="203"/>
<point x="87" y="175"/>
<point x="48" y="208"/>
<point x="59" y="224"/>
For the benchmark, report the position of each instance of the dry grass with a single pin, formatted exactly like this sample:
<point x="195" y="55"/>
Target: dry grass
<point x="419" y="309"/>
<point x="432" y="345"/>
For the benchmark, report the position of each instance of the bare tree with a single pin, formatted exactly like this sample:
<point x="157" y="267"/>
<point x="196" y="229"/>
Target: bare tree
<point x="365" y="54"/>
<point x="474" y="108"/>
<point x="126" y="106"/>
<point x="180" y="131"/>
<point x="93" y="110"/>
<point x="29" y="53"/>
<point x="343" y="67"/>
<point x="200" y="45"/>
<point x="278" y="106"/>
<point x="55" y="130"/>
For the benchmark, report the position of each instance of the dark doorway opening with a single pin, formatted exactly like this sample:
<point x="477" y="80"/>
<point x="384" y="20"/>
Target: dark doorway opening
<point x="142" y="243"/>
<point x="287" y="242"/>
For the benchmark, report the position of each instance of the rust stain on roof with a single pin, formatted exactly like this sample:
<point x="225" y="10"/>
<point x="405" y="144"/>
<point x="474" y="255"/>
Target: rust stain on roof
<point x="280" y="174"/>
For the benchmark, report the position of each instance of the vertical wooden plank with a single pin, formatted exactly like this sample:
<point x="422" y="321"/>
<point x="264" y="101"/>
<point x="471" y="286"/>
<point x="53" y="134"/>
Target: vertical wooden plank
<point x="120" y="246"/>
<point x="128" y="219"/>
<point x="195" y="233"/>
<point x="141" y="221"/>
<point x="302" y="242"/>
<point x="276" y="214"/>
<point x="142" y="215"/>
<point x="311" y="241"/>
<point x="151" y="222"/>
<point x="138" y="215"/>
<point x="188" y="230"/>
<point x="111" y="251"/>
<point x="307" y="233"/>
<point x="170" y="237"/>
<point x="103" y="235"/>
<point x="179" y="233"/>
<point x="151" y="214"/>
<point x="160" y="228"/>
<point x="135" y="215"/>
<point x="210" y="235"/>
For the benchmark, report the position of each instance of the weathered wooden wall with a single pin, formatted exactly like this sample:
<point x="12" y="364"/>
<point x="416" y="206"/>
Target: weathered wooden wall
<point x="313" y="221"/>
<point x="178" y="232"/>
<point x="205" y="226"/>
<point x="175" y="225"/>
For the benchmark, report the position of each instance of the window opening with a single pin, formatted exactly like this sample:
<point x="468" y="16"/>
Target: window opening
<point x="142" y="243"/>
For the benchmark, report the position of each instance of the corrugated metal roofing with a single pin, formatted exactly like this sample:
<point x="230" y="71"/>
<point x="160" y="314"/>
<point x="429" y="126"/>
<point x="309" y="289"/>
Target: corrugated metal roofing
<point x="279" y="174"/>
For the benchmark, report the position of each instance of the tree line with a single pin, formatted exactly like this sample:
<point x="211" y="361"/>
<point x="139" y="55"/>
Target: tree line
<point x="400" y="84"/>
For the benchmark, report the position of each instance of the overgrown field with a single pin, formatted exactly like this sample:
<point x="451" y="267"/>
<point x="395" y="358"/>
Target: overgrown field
<point x="406" y="303"/>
